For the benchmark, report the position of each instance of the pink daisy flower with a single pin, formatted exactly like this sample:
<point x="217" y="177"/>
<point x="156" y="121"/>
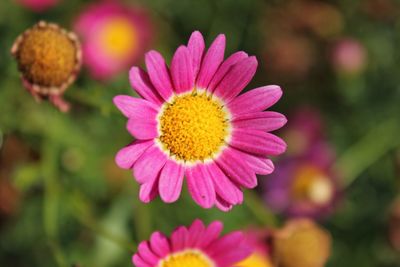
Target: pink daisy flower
<point x="192" y="122"/>
<point x="196" y="246"/>
<point x="114" y="36"/>
<point x="38" y="5"/>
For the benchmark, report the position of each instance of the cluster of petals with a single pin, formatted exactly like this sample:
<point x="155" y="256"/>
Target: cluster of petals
<point x="219" y="181"/>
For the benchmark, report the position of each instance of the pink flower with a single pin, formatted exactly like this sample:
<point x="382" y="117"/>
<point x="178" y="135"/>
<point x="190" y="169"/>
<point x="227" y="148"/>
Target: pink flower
<point x="114" y="36"/>
<point x="192" y="122"/>
<point x="38" y="5"/>
<point x="194" y="246"/>
<point x="349" y="56"/>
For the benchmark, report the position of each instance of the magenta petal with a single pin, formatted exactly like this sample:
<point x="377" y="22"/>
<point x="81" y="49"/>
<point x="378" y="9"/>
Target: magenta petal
<point x="133" y="107"/>
<point x="196" y="233"/>
<point x="229" y="257"/>
<point x="225" y="243"/>
<point x="223" y="205"/>
<point x="224" y="187"/>
<point x="255" y="100"/>
<point x="196" y="48"/>
<point x="179" y="239"/>
<point x="200" y="186"/>
<point x="264" y="121"/>
<point x="257" y="142"/>
<point x="159" y="244"/>
<point x="148" y="191"/>
<point x="171" y="179"/>
<point x="159" y="74"/>
<point x="236" y="169"/>
<point x="139" y="262"/>
<point x="128" y="155"/>
<point x="147" y="254"/>
<point x="236" y="79"/>
<point x="259" y="165"/>
<point x="225" y="67"/>
<point x="182" y="70"/>
<point x="212" y="59"/>
<point x="149" y="165"/>
<point x="142" y="129"/>
<point x="211" y="234"/>
<point x="140" y="81"/>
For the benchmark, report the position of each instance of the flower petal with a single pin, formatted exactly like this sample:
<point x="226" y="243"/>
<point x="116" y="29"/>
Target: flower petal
<point x="211" y="234"/>
<point x="224" y="187"/>
<point x="225" y="244"/>
<point x="140" y="81"/>
<point x="146" y="253"/>
<point x="200" y="186"/>
<point x="182" y="70"/>
<point x="159" y="244"/>
<point x="225" y="67"/>
<point x="212" y="59"/>
<point x="148" y="191"/>
<point x="259" y="165"/>
<point x="128" y="155"/>
<point x="236" y="79"/>
<point x="196" y="233"/>
<point x="171" y="180"/>
<point x="255" y="100"/>
<point x="257" y="142"/>
<point x="179" y="239"/>
<point x="236" y="169"/>
<point x="133" y="107"/>
<point x="159" y="74"/>
<point x="139" y="262"/>
<point x="142" y="129"/>
<point x="196" y="48"/>
<point x="149" y="165"/>
<point x="264" y="121"/>
<point x="222" y="204"/>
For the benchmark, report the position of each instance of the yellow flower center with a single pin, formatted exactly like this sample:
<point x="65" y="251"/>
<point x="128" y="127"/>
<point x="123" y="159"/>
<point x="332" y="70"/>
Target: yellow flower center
<point x="118" y="38"/>
<point x="255" y="260"/>
<point x="193" y="127"/>
<point x="187" y="258"/>
<point x="313" y="185"/>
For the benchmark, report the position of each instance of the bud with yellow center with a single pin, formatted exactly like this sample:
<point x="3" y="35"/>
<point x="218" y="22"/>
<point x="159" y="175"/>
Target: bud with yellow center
<point x="48" y="59"/>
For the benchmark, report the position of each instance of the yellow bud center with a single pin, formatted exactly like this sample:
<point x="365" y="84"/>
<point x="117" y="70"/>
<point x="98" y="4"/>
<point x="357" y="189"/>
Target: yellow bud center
<point x="47" y="56"/>
<point x="312" y="184"/>
<point x="118" y="38"/>
<point x="193" y="127"/>
<point x="192" y="258"/>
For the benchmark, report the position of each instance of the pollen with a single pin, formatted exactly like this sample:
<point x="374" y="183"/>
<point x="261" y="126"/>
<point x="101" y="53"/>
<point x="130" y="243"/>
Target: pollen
<point x="46" y="55"/>
<point x="193" y="127"/>
<point x="187" y="258"/>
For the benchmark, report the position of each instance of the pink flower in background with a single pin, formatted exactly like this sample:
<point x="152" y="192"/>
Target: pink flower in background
<point x="349" y="56"/>
<point x="304" y="184"/>
<point x="192" y="122"/>
<point x="38" y="5"/>
<point x="196" y="246"/>
<point x="114" y="36"/>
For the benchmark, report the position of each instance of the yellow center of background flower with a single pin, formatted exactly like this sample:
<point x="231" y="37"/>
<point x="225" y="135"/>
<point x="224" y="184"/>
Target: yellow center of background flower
<point x="118" y="38"/>
<point x="255" y="260"/>
<point x="193" y="127"/>
<point x="313" y="185"/>
<point x="188" y="258"/>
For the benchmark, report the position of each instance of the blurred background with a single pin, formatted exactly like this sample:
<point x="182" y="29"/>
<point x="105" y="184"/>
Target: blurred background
<point x="64" y="202"/>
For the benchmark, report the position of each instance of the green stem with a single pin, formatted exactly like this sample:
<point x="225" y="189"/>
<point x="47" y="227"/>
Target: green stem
<point x="255" y="204"/>
<point x="375" y="144"/>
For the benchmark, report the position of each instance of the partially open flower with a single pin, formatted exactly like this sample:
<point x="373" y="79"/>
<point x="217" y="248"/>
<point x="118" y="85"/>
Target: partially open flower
<point x="49" y="59"/>
<point x="301" y="243"/>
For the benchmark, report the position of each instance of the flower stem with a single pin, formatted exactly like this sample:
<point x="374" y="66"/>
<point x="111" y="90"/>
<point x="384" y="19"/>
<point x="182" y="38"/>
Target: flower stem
<point x="255" y="204"/>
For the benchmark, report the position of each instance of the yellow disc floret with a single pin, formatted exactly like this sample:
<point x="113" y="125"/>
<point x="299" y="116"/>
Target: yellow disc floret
<point x="46" y="56"/>
<point x="192" y="258"/>
<point x="193" y="127"/>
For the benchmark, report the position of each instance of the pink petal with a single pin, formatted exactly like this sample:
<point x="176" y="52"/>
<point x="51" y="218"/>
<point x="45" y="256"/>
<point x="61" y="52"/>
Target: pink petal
<point x="179" y="239"/>
<point x="225" y="244"/>
<point x="236" y="79"/>
<point x="128" y="155"/>
<point x="255" y="100"/>
<point x="200" y="186"/>
<point x="133" y="107"/>
<point x="223" y="205"/>
<point x="211" y="234"/>
<point x="257" y="142"/>
<point x="264" y="121"/>
<point x="148" y="191"/>
<point x="146" y="254"/>
<point x="212" y="59"/>
<point x="223" y="186"/>
<point x="139" y="262"/>
<point x="140" y="81"/>
<point x="225" y="67"/>
<point x="259" y="165"/>
<point x="182" y="70"/>
<point x="196" y="233"/>
<point x="159" y="244"/>
<point x="235" y="255"/>
<point x="159" y="74"/>
<point x="196" y="48"/>
<point x="142" y="129"/>
<point x="236" y="169"/>
<point x="149" y="164"/>
<point x="171" y="179"/>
